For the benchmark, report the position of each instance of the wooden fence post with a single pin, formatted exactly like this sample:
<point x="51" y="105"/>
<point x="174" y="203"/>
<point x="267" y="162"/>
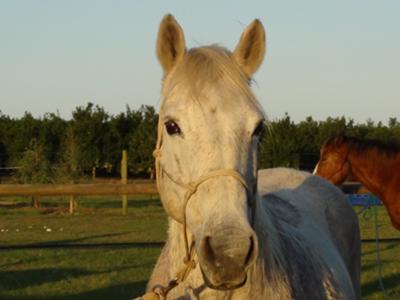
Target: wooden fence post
<point x="124" y="180"/>
<point x="35" y="201"/>
<point x="73" y="204"/>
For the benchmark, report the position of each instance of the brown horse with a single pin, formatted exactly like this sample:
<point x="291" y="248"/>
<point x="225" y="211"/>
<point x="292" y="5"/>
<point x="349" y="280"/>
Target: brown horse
<point x="374" y="163"/>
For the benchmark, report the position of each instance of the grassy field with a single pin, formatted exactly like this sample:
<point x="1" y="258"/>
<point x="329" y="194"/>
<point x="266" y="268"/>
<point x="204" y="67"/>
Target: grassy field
<point x="121" y="271"/>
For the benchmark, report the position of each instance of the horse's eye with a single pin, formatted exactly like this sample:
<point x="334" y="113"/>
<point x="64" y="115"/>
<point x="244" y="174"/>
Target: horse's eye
<point x="259" y="131"/>
<point x="172" y="127"/>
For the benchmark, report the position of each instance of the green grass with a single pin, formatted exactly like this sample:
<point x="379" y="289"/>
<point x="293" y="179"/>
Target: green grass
<point x="78" y="273"/>
<point x="122" y="272"/>
<point x="98" y="220"/>
<point x="389" y="254"/>
<point x="75" y="273"/>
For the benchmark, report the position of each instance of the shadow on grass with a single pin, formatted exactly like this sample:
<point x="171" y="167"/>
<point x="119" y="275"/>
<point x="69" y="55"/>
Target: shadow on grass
<point x="83" y="239"/>
<point x="12" y="280"/>
<point x="145" y="203"/>
<point x="19" y="262"/>
<point x="15" y="281"/>
<point x="367" y="267"/>
<point x="60" y="204"/>
<point x="85" y="242"/>
<point x="13" y="205"/>
<point x="382" y="248"/>
<point x="116" y="203"/>
<point x="120" y="291"/>
<point x="391" y="284"/>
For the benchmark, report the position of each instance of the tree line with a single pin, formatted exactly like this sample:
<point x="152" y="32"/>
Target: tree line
<point x="51" y="149"/>
<point x="297" y="145"/>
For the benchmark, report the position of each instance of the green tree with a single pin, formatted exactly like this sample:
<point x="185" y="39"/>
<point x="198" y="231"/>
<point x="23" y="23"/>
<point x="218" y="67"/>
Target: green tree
<point x="19" y="135"/>
<point x="278" y="146"/>
<point x="34" y="166"/>
<point x="143" y="141"/>
<point x="393" y="123"/>
<point x="122" y="127"/>
<point x="307" y="143"/>
<point x="90" y="128"/>
<point x="52" y="129"/>
<point x="4" y="124"/>
<point x="68" y="168"/>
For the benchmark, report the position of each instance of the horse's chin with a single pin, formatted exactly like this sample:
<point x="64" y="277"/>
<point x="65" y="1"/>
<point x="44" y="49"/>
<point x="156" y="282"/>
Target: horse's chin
<point x="231" y="284"/>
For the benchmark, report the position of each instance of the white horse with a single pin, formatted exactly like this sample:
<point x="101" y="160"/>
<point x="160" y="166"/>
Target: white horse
<point x="235" y="233"/>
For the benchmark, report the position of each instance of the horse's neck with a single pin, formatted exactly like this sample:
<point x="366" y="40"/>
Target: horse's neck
<point x="371" y="170"/>
<point x="380" y="175"/>
<point x="267" y="276"/>
<point x="291" y="267"/>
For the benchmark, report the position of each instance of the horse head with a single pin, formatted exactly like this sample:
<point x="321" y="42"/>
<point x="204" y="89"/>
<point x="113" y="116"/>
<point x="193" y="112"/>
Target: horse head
<point x="334" y="164"/>
<point x="206" y="158"/>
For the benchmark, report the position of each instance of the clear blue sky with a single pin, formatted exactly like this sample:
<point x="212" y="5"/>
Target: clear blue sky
<point x="324" y="58"/>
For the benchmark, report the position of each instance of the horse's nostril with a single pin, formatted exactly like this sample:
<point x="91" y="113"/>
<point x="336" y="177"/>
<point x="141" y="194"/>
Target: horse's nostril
<point x="250" y="255"/>
<point x="206" y="250"/>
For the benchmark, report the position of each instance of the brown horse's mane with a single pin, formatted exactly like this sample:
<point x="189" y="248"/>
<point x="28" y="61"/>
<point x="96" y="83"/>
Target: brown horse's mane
<point x="388" y="147"/>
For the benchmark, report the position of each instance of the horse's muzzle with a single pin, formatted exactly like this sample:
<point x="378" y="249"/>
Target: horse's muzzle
<point x="225" y="256"/>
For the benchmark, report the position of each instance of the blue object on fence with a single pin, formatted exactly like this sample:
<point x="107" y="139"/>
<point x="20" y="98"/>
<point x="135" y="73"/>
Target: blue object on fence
<point x="364" y="200"/>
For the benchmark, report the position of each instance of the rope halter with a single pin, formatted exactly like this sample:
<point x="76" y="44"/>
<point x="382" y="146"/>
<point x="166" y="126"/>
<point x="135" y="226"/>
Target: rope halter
<point x="192" y="187"/>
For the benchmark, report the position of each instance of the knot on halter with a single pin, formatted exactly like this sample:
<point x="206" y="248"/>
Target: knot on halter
<point x="188" y="260"/>
<point x="191" y="189"/>
<point x="190" y="263"/>
<point x="156" y="153"/>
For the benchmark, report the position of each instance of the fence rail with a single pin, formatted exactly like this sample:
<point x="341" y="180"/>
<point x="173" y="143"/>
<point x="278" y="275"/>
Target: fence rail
<point x="73" y="190"/>
<point x="91" y="189"/>
<point x="142" y="188"/>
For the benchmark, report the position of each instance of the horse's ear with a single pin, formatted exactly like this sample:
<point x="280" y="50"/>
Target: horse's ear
<point x="249" y="53"/>
<point x="170" y="43"/>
